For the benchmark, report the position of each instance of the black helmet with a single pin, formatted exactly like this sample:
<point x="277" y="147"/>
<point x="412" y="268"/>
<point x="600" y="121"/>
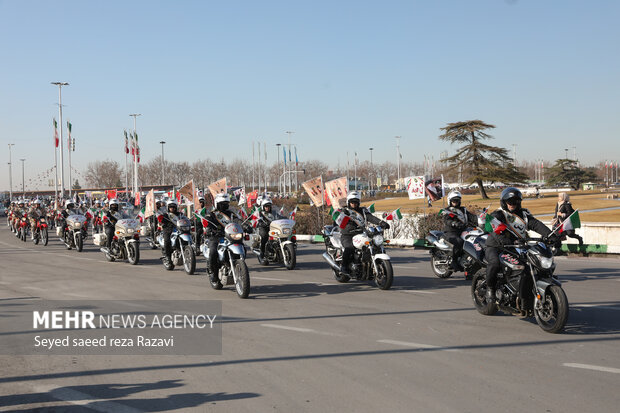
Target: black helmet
<point x="510" y="195"/>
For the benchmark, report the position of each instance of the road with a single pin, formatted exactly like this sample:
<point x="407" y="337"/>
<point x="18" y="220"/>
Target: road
<point x="304" y="343"/>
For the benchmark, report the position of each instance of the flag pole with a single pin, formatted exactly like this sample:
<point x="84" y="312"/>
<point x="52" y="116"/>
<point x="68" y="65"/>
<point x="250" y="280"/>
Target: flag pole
<point x="567" y="218"/>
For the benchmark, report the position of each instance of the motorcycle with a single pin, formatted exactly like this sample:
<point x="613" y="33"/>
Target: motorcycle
<point x="281" y="246"/>
<point x="39" y="233"/>
<point x="125" y="243"/>
<point x="471" y="260"/>
<point x="370" y="262"/>
<point x="151" y="231"/>
<point x="24" y="224"/>
<point x="182" y="249"/>
<point x="231" y="261"/>
<point x="526" y="285"/>
<point x="75" y="232"/>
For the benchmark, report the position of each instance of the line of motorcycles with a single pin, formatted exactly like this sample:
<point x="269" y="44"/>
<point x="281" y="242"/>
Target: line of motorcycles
<point x="526" y="283"/>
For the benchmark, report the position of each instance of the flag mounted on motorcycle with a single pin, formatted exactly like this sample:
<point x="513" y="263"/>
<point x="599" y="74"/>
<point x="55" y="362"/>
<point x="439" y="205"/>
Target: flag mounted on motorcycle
<point x="339" y="217"/>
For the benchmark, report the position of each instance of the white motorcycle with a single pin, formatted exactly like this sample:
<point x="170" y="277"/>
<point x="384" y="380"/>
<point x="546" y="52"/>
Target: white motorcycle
<point x="182" y="246"/>
<point x="370" y="262"/>
<point x="125" y="244"/>
<point x="231" y="261"/>
<point x="281" y="246"/>
<point x="75" y="232"/>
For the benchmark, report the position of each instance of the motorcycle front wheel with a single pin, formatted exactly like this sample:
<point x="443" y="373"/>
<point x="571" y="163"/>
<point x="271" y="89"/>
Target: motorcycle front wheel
<point x="35" y="237"/>
<point x="478" y="294"/>
<point x="22" y="234"/>
<point x="133" y="253"/>
<point x="553" y="313"/>
<point x="189" y="259"/>
<point x="290" y="258"/>
<point x="441" y="269"/>
<point x="44" y="236"/>
<point x="385" y="276"/>
<point x="242" y="282"/>
<point x="79" y="243"/>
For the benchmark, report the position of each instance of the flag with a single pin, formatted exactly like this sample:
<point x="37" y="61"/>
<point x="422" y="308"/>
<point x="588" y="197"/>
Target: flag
<point x="150" y="204"/>
<point x="126" y="143"/>
<point x="289" y="154"/>
<point x="204" y="221"/>
<point x="570" y="223"/>
<point x="293" y="213"/>
<point x="133" y="144"/>
<point x="336" y="192"/>
<point x="56" y="141"/>
<point x="340" y="218"/>
<point x="492" y="224"/>
<point x="296" y="160"/>
<point x="314" y="188"/>
<point x="69" y="139"/>
<point x="243" y="212"/>
<point x="137" y="200"/>
<point x="255" y="216"/>
<point x="395" y="215"/>
<point x="372" y="208"/>
<point x="282" y="211"/>
<point x="141" y="215"/>
<point x="283" y="150"/>
<point x="252" y="198"/>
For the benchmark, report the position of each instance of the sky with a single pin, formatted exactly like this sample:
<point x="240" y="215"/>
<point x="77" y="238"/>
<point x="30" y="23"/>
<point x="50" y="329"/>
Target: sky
<point x="211" y="77"/>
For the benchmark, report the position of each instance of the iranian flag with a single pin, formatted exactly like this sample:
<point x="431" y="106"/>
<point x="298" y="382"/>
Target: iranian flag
<point x="243" y="212"/>
<point x="56" y="141"/>
<point x="204" y="221"/>
<point x="570" y="223"/>
<point x="395" y="215"/>
<point x="340" y="218"/>
<point x="126" y="143"/>
<point x="492" y="224"/>
<point x="255" y="216"/>
<point x="293" y="213"/>
<point x="372" y="208"/>
<point x="69" y="138"/>
<point x="141" y="215"/>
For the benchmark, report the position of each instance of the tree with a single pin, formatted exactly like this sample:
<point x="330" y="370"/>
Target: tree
<point x="477" y="161"/>
<point x="103" y="174"/>
<point x="567" y="171"/>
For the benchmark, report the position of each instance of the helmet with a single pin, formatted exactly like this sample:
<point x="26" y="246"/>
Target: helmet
<point x="456" y="196"/>
<point x="222" y="202"/>
<point x="201" y="198"/>
<point x="172" y="202"/>
<point x="510" y="195"/>
<point x="114" y="203"/>
<point x="37" y="202"/>
<point x="266" y="201"/>
<point x="354" y="195"/>
<point x="97" y="201"/>
<point x="69" y="205"/>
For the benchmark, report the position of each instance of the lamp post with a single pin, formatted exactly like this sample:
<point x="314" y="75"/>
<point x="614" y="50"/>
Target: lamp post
<point x="566" y="151"/>
<point x="62" y="165"/>
<point x="23" y="186"/>
<point x="371" y="170"/>
<point x="279" y="179"/>
<point x="290" y="181"/>
<point x="398" y="158"/>
<point x="162" y="161"/>
<point x="10" y="173"/>
<point x="135" y="157"/>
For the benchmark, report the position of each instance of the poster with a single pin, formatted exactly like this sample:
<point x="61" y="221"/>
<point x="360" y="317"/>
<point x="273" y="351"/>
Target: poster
<point x="149" y="208"/>
<point x="314" y="188"/>
<point x="336" y="190"/>
<point x="415" y="186"/>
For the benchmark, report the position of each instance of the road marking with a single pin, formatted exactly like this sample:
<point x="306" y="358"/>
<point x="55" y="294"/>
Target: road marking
<point x="269" y="279"/>
<point x="605" y="307"/>
<point x="82" y="399"/>
<point x="319" y="283"/>
<point x="302" y="330"/>
<point x="410" y="344"/>
<point x="408" y="290"/>
<point x="76" y="295"/>
<point x="591" y="367"/>
<point x="405" y="266"/>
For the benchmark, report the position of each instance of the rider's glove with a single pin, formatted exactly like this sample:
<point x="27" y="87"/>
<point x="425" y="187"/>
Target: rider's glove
<point x="551" y="239"/>
<point x="385" y="225"/>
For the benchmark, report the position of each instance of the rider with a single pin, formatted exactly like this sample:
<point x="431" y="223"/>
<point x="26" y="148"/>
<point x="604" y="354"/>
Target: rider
<point x="358" y="216"/>
<point x="218" y="219"/>
<point x="109" y="221"/>
<point x="70" y="209"/>
<point x="168" y="221"/>
<point x="456" y="219"/>
<point x="514" y="222"/>
<point x="18" y="214"/>
<point x="34" y="213"/>
<point x="198" y="222"/>
<point x="266" y="216"/>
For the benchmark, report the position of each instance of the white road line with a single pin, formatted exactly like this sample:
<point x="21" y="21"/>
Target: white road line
<point x="302" y="330"/>
<point x="269" y="279"/>
<point x="591" y="367"/>
<point x="407" y="290"/>
<point x="76" y="295"/>
<point x="604" y="307"/>
<point x="409" y="344"/>
<point x="405" y="266"/>
<point x="82" y="399"/>
<point x="319" y="283"/>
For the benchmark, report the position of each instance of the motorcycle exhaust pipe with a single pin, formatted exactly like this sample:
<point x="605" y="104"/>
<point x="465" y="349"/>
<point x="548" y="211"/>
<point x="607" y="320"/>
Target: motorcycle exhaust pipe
<point x="331" y="261"/>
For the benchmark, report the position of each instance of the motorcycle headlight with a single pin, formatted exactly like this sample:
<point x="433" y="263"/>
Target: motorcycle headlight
<point x="236" y="237"/>
<point x="378" y="239"/>
<point x="545" y="262"/>
<point x="78" y="225"/>
<point x="130" y="230"/>
<point x="184" y="228"/>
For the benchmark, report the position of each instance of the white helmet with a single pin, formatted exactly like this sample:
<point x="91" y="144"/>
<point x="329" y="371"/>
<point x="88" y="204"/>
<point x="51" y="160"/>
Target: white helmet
<point x="37" y="202"/>
<point x="266" y="200"/>
<point x="354" y="195"/>
<point x="171" y="202"/>
<point x="454" y="194"/>
<point x="221" y="197"/>
<point x="113" y="202"/>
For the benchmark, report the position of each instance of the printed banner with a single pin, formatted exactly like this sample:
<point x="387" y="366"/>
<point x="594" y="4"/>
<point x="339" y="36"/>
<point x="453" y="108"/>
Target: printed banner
<point x="137" y="200"/>
<point x="218" y="187"/>
<point x="434" y="189"/>
<point x="336" y="190"/>
<point x="149" y="208"/>
<point x="314" y="188"/>
<point x="415" y="186"/>
<point x="252" y="198"/>
<point x="187" y="191"/>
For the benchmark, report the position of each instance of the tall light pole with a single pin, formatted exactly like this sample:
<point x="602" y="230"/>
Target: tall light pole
<point x="566" y="150"/>
<point x="290" y="182"/>
<point x="398" y="158"/>
<point x="23" y="180"/>
<point x="62" y="165"/>
<point x="162" y="161"/>
<point x="514" y="154"/>
<point x="278" y="169"/>
<point x="371" y="170"/>
<point x="10" y="173"/>
<point x="135" y="156"/>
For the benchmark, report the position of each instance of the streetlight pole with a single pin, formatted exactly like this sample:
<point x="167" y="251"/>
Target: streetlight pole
<point x="290" y="181"/>
<point x="398" y="158"/>
<point x="162" y="161"/>
<point x="62" y="165"/>
<point x="10" y="173"/>
<point x="135" y="156"/>
<point x="566" y="150"/>
<point x="514" y="154"/>
<point x="23" y="180"/>
<point x="370" y="173"/>
<point x="278" y="168"/>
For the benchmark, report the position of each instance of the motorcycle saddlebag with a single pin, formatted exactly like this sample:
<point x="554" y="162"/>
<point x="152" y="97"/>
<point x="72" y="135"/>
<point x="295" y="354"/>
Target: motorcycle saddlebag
<point x="58" y="231"/>
<point x="99" y="239"/>
<point x="144" y="231"/>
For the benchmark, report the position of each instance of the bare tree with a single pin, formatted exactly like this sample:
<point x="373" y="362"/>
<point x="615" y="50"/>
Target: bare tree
<point x="103" y="174"/>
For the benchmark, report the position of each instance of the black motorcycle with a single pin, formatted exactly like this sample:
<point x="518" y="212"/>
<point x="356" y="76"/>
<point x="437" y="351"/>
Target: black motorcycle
<point x="471" y="260"/>
<point x="526" y="286"/>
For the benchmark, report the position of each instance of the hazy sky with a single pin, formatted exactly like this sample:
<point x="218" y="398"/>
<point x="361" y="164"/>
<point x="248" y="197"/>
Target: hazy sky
<point x="210" y="77"/>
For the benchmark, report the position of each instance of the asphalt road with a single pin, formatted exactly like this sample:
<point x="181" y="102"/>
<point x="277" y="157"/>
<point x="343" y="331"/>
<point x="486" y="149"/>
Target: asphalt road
<point x="302" y="342"/>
